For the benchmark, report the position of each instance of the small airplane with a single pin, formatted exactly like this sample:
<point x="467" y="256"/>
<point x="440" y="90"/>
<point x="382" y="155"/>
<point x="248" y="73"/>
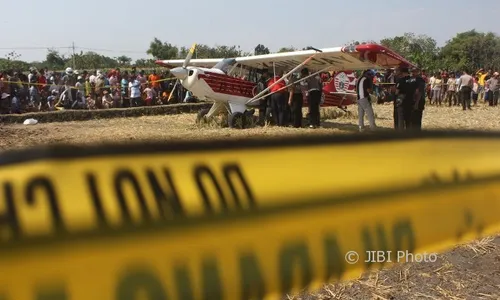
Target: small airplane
<point x="217" y="79"/>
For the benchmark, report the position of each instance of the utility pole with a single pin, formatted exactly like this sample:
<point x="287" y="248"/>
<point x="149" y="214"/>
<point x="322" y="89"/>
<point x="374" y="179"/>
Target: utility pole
<point x="74" y="65"/>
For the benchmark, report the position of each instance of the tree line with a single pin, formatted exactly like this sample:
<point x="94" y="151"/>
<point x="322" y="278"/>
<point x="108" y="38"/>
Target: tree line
<point x="467" y="50"/>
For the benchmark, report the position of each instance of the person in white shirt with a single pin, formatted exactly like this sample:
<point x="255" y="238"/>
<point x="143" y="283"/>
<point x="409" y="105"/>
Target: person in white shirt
<point x="80" y="86"/>
<point x="457" y="86"/>
<point x="432" y="80"/>
<point x="92" y="78"/>
<point x="150" y="95"/>
<point x="135" y="92"/>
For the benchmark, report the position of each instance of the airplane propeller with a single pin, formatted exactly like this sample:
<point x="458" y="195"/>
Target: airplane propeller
<point x="182" y="72"/>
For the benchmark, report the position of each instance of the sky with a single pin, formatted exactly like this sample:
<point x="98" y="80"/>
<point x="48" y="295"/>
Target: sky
<point x="126" y="27"/>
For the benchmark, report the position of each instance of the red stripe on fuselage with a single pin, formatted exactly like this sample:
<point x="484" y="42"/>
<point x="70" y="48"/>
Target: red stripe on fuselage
<point x="229" y="85"/>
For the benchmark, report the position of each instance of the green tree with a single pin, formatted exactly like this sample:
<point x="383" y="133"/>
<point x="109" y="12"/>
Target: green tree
<point x="418" y="49"/>
<point x="287" y="49"/>
<point x="145" y="63"/>
<point x="472" y="50"/>
<point x="261" y="49"/>
<point x="54" y="60"/>
<point x="92" y="60"/>
<point x="162" y="50"/>
<point x="123" y="60"/>
<point x="12" y="61"/>
<point x="183" y="52"/>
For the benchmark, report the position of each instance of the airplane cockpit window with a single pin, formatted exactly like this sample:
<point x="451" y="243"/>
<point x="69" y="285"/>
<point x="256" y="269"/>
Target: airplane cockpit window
<point x="224" y="64"/>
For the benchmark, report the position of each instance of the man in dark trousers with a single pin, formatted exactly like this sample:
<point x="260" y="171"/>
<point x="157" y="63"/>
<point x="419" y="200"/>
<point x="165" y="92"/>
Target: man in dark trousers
<point x="419" y="106"/>
<point x="314" y="89"/>
<point x="278" y="99"/>
<point x="405" y="92"/>
<point x="465" y="85"/>
<point x="295" y="101"/>
<point x="397" y="111"/>
<point x="263" y="103"/>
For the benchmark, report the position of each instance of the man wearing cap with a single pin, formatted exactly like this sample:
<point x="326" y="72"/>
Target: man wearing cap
<point x="364" y="87"/>
<point x="493" y="89"/>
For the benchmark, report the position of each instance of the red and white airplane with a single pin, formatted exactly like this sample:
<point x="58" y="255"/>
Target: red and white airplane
<point x="221" y="79"/>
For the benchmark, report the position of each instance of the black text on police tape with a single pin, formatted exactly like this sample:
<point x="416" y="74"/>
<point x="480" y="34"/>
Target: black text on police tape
<point x="232" y="192"/>
<point x="293" y="257"/>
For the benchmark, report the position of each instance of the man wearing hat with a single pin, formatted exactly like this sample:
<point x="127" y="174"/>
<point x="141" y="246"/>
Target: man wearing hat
<point x="364" y="88"/>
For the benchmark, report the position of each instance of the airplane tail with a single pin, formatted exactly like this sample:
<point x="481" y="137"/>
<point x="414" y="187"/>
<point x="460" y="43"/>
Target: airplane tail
<point x="340" y="91"/>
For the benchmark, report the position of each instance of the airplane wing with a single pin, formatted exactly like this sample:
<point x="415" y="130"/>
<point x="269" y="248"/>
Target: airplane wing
<point x="204" y="62"/>
<point x="360" y="57"/>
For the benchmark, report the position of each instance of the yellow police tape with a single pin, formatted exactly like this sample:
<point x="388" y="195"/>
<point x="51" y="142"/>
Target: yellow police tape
<point x="236" y="220"/>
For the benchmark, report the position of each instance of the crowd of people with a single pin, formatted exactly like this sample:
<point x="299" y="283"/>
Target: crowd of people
<point x="409" y="88"/>
<point x="443" y="87"/>
<point x="41" y="90"/>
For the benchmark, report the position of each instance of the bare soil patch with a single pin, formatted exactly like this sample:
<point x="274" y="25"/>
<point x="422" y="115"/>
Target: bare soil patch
<point x="468" y="272"/>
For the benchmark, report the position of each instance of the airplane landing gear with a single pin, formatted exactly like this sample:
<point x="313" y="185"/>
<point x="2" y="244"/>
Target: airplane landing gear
<point x="241" y="120"/>
<point x="237" y="120"/>
<point x="201" y="117"/>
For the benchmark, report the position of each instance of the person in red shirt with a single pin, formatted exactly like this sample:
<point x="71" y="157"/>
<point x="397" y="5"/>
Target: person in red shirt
<point x="42" y="80"/>
<point x="278" y="99"/>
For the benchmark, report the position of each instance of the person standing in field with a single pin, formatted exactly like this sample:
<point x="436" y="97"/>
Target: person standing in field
<point x="278" y="99"/>
<point x="475" y="90"/>
<point x="405" y="90"/>
<point x="481" y="74"/>
<point x="314" y="88"/>
<point x="494" y="87"/>
<point x="451" y="96"/>
<point x="437" y="89"/>
<point x="419" y="99"/>
<point x="295" y="101"/>
<point x="465" y="84"/>
<point x="364" y="87"/>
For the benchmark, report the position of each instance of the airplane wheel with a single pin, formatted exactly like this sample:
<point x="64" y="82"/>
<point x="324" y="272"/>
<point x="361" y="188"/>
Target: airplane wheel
<point x="200" y="118"/>
<point x="237" y="120"/>
<point x="250" y="119"/>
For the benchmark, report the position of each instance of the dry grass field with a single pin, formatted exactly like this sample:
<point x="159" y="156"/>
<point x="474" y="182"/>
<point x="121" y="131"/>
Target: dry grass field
<point x="468" y="272"/>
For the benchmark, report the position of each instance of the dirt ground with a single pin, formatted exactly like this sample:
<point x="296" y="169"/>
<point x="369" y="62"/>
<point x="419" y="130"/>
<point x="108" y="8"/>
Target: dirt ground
<point x="468" y="272"/>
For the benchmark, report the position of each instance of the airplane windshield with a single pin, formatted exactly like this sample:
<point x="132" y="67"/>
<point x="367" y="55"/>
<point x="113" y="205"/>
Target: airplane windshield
<point x="224" y="64"/>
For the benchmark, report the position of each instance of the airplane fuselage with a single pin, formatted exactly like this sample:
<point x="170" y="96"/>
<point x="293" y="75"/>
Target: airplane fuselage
<point x="214" y="84"/>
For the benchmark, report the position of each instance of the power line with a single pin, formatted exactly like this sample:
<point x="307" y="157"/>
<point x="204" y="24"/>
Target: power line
<point x="33" y="48"/>
<point x="73" y="47"/>
<point x="109" y="50"/>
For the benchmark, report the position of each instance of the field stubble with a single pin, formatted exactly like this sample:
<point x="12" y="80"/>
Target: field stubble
<point x="469" y="271"/>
